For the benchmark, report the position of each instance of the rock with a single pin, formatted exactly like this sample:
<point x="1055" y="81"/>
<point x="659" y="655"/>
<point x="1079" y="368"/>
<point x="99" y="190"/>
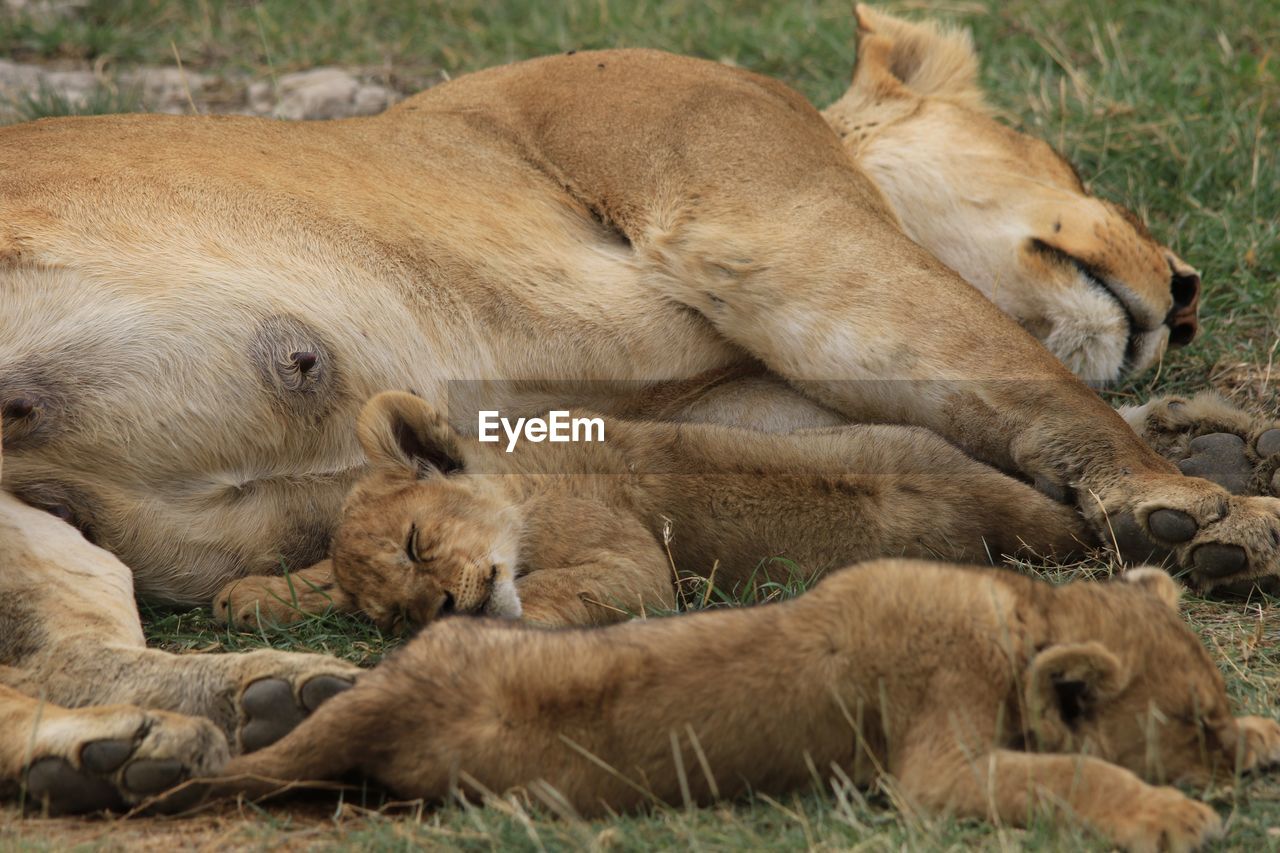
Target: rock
<point x="164" y="90"/>
<point x="16" y="80"/>
<point x="320" y="94"/>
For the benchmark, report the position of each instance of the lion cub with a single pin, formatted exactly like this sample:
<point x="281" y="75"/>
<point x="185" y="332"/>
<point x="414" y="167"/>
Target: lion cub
<point x="973" y="692"/>
<point x="586" y="534"/>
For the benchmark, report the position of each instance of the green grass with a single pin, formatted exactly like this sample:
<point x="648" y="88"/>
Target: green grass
<point x="1170" y="107"/>
<point x="48" y="103"/>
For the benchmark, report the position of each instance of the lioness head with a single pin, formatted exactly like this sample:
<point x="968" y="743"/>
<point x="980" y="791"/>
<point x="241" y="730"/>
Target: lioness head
<point x="1128" y="681"/>
<point x="1004" y="210"/>
<point x="420" y="537"/>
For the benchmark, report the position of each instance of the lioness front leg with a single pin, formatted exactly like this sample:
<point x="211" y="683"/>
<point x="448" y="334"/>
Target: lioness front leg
<point x="1011" y="786"/>
<point x="836" y="299"/>
<point x="63" y="760"/>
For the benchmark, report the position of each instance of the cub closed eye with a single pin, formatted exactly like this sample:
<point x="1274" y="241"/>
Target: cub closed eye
<point x="411" y="544"/>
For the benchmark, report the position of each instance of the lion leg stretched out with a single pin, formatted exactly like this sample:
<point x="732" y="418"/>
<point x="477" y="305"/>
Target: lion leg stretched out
<point x="70" y="637"/>
<point x="973" y="692"/>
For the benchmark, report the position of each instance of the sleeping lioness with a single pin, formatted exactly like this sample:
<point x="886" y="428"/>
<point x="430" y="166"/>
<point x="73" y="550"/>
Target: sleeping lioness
<point x="976" y="692"/>
<point x="193" y="309"/>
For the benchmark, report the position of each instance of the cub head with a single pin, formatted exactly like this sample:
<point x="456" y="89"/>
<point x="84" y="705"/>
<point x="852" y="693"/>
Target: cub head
<point x="1128" y="681"/>
<point x="420" y="535"/>
<point x="1005" y="210"/>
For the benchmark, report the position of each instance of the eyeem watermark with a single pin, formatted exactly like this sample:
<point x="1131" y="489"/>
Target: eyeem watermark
<point x="556" y="426"/>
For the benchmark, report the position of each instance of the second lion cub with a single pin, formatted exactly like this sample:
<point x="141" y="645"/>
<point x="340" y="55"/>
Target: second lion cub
<point x="584" y="534"/>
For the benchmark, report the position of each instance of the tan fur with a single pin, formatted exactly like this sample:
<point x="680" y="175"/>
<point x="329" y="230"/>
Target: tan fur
<point x="1004" y="696"/>
<point x="71" y="638"/>
<point x="581" y="534"/>
<point x="193" y="309"/>
<point x="1002" y="209"/>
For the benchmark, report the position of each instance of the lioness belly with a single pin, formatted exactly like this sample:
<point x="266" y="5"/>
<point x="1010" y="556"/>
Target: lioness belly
<point x="193" y="310"/>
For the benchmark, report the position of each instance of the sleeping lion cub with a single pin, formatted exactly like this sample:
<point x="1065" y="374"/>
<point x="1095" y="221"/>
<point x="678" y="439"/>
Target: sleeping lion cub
<point x="586" y="534"/>
<point x="973" y="692"/>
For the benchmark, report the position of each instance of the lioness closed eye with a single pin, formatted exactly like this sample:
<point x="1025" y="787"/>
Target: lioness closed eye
<point x="974" y="692"/>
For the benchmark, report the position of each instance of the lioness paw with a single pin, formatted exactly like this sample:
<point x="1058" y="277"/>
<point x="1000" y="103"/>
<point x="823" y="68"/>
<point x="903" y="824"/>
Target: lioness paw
<point x="117" y="757"/>
<point x="1163" y="821"/>
<point x="1208" y="437"/>
<point x="281" y="689"/>
<point x="1225" y="542"/>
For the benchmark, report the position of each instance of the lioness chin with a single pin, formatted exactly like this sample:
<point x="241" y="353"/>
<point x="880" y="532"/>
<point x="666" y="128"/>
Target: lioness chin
<point x="967" y="691"/>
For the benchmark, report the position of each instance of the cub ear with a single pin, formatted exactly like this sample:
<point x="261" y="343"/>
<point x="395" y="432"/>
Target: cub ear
<point x="1065" y="684"/>
<point x="1157" y="582"/>
<point x="399" y="430"/>
<point x="925" y="58"/>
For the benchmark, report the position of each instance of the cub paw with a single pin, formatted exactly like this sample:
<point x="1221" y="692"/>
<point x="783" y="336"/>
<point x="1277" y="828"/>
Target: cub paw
<point x="1226" y="543"/>
<point x="269" y="601"/>
<point x="1259" y="743"/>
<point x="281" y="690"/>
<point x="115" y="758"/>
<point x="1207" y="437"/>
<point x="1164" y="820"/>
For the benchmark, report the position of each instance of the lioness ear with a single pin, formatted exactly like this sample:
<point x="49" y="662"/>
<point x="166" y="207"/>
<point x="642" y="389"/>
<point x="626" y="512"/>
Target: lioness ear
<point x="1157" y="582"/>
<point x="1065" y="684"/>
<point x="924" y="58"/>
<point x="399" y="430"/>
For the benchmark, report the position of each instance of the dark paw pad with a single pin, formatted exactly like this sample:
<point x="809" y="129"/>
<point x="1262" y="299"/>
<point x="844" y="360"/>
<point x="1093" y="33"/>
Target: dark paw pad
<point x="105" y="756"/>
<point x="1217" y="560"/>
<point x="1220" y="458"/>
<point x="1171" y="525"/>
<point x="321" y="689"/>
<point x="270" y="713"/>
<point x="1268" y="443"/>
<point x="1134" y="544"/>
<point x="53" y="785"/>
<point x="151" y="776"/>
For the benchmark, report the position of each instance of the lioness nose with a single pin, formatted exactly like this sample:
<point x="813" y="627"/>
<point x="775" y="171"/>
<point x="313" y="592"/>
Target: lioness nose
<point x="1183" y="319"/>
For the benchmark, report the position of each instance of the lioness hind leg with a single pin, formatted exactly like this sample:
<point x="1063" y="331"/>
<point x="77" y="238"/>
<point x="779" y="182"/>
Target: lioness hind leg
<point x="1207" y="436"/>
<point x="109" y="757"/>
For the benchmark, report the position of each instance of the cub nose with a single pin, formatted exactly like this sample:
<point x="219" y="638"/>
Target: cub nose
<point x="1183" y="319"/>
